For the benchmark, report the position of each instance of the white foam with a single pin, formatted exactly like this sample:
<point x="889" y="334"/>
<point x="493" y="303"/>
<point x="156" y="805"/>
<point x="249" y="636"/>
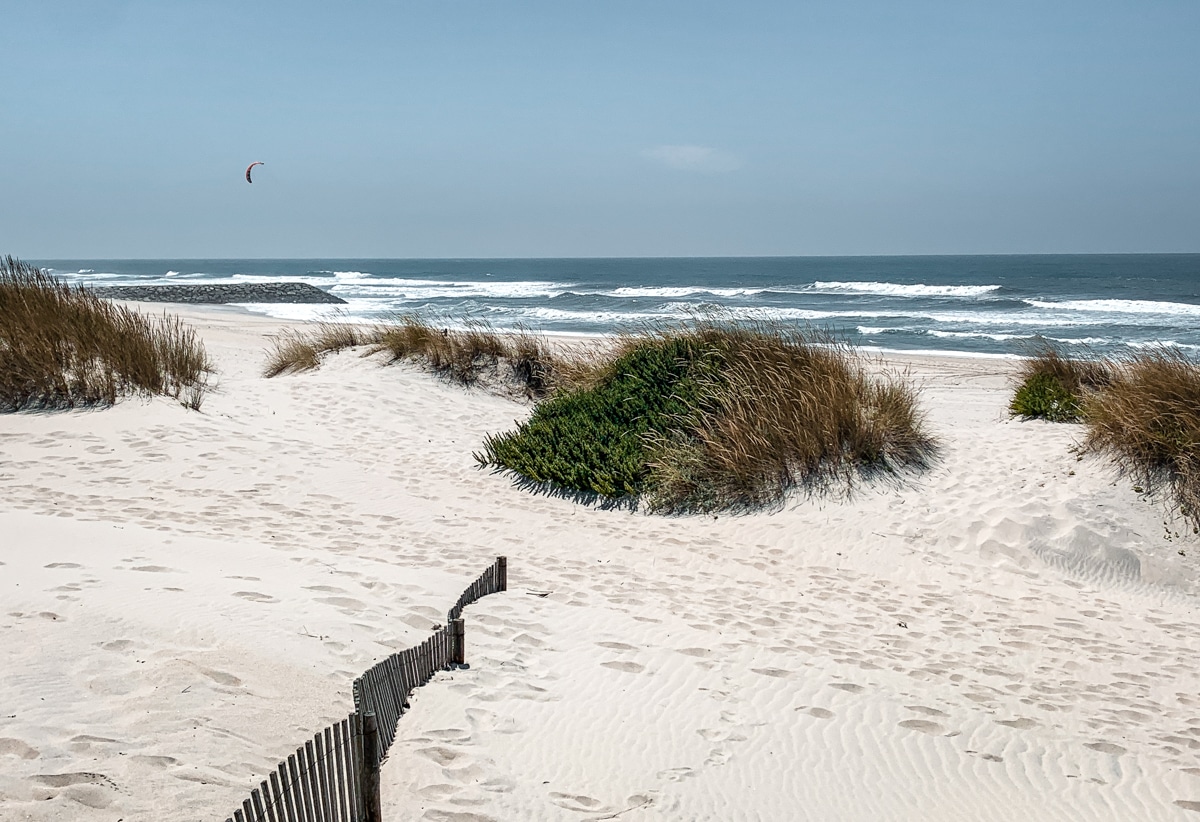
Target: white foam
<point x="1120" y="306"/>
<point x="905" y="290"/>
<point x="678" y="291"/>
<point x="976" y="335"/>
<point x="1164" y="344"/>
<point x="415" y="289"/>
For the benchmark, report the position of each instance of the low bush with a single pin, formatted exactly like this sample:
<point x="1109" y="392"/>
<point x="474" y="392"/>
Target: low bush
<point x="1053" y="387"/>
<point x="64" y="347"/>
<point x="1147" y="420"/>
<point x="717" y="416"/>
<point x="591" y="440"/>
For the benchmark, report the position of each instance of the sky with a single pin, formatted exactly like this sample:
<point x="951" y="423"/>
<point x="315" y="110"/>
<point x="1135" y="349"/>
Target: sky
<point x="459" y="128"/>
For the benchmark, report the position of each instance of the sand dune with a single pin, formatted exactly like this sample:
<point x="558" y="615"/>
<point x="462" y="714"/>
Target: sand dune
<point x="187" y="596"/>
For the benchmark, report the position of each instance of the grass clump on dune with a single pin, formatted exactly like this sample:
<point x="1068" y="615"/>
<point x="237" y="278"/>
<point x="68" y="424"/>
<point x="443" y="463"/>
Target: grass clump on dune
<point x="464" y="356"/>
<point x="1147" y="421"/>
<point x="64" y="347"/>
<point x="1053" y="387"/>
<point x="295" y="351"/>
<point x="717" y="416"/>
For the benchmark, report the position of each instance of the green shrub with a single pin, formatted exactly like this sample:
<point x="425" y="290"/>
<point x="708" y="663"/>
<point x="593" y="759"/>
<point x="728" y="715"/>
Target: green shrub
<point x="1043" y="396"/>
<point x="64" y="347"/>
<point x="717" y="416"/>
<point x="1052" y="386"/>
<point x="591" y="440"/>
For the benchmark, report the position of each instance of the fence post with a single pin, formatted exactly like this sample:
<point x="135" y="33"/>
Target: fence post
<point x="502" y="573"/>
<point x="369" y="775"/>
<point x="458" y="643"/>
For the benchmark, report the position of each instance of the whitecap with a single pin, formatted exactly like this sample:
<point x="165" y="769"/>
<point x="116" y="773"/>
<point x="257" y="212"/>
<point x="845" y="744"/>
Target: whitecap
<point x="1120" y="306"/>
<point x="904" y="290"/>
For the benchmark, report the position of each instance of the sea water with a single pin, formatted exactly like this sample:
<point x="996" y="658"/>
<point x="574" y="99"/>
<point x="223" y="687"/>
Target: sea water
<point x="984" y="305"/>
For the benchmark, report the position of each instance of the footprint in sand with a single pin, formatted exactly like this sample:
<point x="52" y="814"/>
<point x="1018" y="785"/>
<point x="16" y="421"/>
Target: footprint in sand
<point x="1105" y="747"/>
<point x="921" y="709"/>
<point x="922" y="725"/>
<point x="1188" y="805"/>
<point x="1021" y="724"/>
<point x="819" y="713"/>
<point x="17" y="748"/>
<point x="255" y="596"/>
<point x="627" y="667"/>
<point x="576" y="802"/>
<point x="849" y="687"/>
<point x="62" y="565"/>
<point x="774" y="672"/>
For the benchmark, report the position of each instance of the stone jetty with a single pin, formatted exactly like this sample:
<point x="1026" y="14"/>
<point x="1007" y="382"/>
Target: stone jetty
<point x="220" y="293"/>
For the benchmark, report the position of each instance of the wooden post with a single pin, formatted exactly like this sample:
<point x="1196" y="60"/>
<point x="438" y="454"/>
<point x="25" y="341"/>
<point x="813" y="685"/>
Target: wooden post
<point x="458" y="649"/>
<point x="370" y="769"/>
<point x="502" y="569"/>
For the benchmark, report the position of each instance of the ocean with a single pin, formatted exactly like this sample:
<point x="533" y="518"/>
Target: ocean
<point x="980" y="305"/>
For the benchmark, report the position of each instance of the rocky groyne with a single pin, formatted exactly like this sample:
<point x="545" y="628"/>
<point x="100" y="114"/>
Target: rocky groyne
<point x="220" y="293"/>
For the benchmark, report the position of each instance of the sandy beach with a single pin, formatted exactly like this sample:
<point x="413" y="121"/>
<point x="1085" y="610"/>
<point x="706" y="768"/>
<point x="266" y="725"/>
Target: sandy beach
<point x="186" y="596"/>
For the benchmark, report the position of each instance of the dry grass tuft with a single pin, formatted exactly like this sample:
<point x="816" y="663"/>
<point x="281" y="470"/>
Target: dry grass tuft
<point x="64" y="347"/>
<point x="1147" y="420"/>
<point x="784" y="408"/>
<point x="464" y="356"/>
<point x="294" y="351"/>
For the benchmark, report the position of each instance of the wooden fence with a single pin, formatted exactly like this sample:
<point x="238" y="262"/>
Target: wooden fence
<point x="335" y="776"/>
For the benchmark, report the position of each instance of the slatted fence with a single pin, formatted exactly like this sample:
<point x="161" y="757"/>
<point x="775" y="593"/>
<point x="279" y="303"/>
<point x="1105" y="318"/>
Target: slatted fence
<point x="335" y="776"/>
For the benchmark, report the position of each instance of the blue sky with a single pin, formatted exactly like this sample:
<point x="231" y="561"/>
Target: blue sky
<point x="476" y="129"/>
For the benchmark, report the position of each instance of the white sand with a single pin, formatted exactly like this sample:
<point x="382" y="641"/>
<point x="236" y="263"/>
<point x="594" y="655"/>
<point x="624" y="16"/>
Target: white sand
<point x="185" y="597"/>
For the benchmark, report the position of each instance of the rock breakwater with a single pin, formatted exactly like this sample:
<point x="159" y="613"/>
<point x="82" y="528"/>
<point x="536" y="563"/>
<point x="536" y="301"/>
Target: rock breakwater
<point x="220" y="293"/>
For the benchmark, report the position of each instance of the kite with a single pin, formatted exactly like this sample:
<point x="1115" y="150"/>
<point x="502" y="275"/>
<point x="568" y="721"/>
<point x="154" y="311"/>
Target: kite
<point x="252" y="165"/>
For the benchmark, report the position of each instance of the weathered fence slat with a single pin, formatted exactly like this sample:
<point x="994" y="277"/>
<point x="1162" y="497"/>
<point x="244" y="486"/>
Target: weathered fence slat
<point x="316" y="774"/>
<point x="279" y="789"/>
<point x="305" y="785"/>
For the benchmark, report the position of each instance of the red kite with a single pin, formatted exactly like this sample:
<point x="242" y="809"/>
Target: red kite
<point x="252" y="165"/>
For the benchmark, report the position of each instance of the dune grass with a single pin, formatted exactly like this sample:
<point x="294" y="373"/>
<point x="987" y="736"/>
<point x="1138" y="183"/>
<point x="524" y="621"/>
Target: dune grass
<point x="296" y="351"/>
<point x="717" y="416"/>
<point x="1147" y="421"/>
<point x="1141" y="412"/>
<point x="1053" y="387"/>
<point x="63" y="347"/>
<point x="465" y="356"/>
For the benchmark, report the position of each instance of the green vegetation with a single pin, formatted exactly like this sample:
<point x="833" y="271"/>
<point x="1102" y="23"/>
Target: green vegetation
<point x="593" y="440"/>
<point x="64" y="347"/>
<point x="1147" y="421"/>
<point x="717" y="416"/>
<point x="1053" y="387"/>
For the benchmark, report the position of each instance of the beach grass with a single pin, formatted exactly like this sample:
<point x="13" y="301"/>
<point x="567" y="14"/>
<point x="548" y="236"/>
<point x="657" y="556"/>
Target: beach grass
<point x="63" y="347"/>
<point x="463" y="355"/>
<point x="296" y="351"/>
<point x="717" y="416"/>
<point x="1147" y="421"/>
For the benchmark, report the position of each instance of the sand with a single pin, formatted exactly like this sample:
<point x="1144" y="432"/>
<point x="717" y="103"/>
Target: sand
<point x="185" y="597"/>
